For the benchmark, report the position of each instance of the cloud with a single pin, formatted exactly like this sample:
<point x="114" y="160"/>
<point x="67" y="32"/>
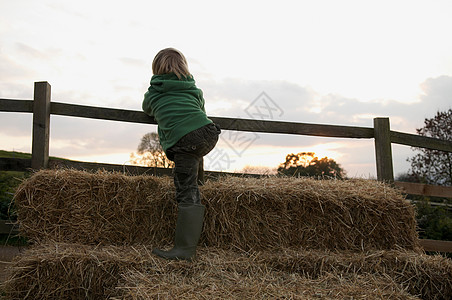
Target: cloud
<point x="30" y="51"/>
<point x="80" y="136"/>
<point x="16" y="124"/>
<point x="240" y="94"/>
<point x="133" y="62"/>
<point x="437" y="93"/>
<point x="16" y="90"/>
<point x="11" y="71"/>
<point x="231" y="97"/>
<point x="73" y="11"/>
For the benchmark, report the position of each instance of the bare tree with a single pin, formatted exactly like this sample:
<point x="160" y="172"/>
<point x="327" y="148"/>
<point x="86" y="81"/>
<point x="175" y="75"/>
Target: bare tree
<point x="150" y="152"/>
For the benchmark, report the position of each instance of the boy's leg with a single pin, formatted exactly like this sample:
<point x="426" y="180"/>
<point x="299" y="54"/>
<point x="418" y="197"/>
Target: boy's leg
<point x="190" y="214"/>
<point x="187" y="155"/>
<point x="186" y="178"/>
<point x="190" y="218"/>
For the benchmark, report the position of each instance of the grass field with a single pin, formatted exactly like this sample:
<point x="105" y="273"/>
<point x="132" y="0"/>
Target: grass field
<point x="14" y="154"/>
<point x="9" y="180"/>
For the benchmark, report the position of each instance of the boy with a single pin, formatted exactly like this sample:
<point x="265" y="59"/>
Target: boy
<point x="186" y="135"/>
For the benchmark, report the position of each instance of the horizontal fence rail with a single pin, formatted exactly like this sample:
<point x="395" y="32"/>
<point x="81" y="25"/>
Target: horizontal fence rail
<point x="262" y="126"/>
<point x="8" y="105"/>
<point x="420" y="141"/>
<point x="8" y="227"/>
<point x="42" y="108"/>
<point x="17" y="164"/>
<point x="100" y="113"/>
<point x="436" y="246"/>
<point x="24" y="165"/>
<point x="381" y="132"/>
<point x="425" y="189"/>
<point x="122" y="115"/>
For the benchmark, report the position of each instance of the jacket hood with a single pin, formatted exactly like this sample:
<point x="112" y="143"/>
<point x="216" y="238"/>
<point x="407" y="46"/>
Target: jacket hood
<point x="170" y="82"/>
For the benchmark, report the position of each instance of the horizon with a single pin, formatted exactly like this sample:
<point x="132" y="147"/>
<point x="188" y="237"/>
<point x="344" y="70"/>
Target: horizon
<point x="247" y="169"/>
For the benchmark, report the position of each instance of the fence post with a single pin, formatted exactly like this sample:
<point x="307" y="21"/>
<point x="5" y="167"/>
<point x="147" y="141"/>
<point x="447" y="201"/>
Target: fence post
<point x="383" y="151"/>
<point x="41" y="125"/>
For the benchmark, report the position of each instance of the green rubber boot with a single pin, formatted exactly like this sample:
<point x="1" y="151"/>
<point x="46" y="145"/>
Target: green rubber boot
<point x="190" y="218"/>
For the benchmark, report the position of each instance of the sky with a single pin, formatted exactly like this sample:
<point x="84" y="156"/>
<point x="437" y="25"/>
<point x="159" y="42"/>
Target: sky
<point x="326" y="62"/>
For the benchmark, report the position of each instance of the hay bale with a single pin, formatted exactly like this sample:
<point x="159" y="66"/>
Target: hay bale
<point x="269" y="285"/>
<point x="68" y="271"/>
<point x="295" y="274"/>
<point x="94" y="208"/>
<point x="359" y="215"/>
<point x="419" y="274"/>
<point x="242" y="213"/>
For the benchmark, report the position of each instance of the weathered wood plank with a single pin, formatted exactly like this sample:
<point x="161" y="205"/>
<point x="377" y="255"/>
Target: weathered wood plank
<point x="112" y="114"/>
<point x="90" y="166"/>
<point x="23" y="165"/>
<point x="433" y="204"/>
<point x="424" y="189"/>
<point x="9" y="105"/>
<point x="293" y="128"/>
<point x="420" y="141"/>
<point x="225" y="123"/>
<point x="383" y="152"/>
<point x="436" y="246"/>
<point x="7" y="227"/>
<point x="41" y="125"/>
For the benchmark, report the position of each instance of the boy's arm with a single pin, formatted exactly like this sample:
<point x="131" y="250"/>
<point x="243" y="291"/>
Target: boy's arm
<point x="202" y="107"/>
<point x="146" y="106"/>
<point x="202" y="101"/>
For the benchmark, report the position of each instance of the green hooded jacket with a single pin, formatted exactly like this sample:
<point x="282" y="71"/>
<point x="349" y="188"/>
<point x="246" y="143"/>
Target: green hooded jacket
<point x="177" y="105"/>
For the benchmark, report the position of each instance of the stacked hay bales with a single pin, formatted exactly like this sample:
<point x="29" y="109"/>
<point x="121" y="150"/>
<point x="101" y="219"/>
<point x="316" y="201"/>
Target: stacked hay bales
<point x="242" y="213"/>
<point x="290" y="274"/>
<point x="262" y="238"/>
<point x="75" y="271"/>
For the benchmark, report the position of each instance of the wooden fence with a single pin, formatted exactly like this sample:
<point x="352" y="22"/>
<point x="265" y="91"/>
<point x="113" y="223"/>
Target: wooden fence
<point x="42" y="107"/>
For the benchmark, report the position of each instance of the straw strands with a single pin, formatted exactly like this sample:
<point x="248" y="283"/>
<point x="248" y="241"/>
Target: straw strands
<point x="263" y="213"/>
<point x="285" y="238"/>
<point x="74" y="271"/>
<point x="92" y="208"/>
<point x="242" y="213"/>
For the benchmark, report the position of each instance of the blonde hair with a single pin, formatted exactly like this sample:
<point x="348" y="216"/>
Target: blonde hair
<point x="170" y="60"/>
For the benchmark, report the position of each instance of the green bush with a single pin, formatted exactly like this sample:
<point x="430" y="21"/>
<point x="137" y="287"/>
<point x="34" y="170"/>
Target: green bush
<point x="435" y="222"/>
<point x="9" y="181"/>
